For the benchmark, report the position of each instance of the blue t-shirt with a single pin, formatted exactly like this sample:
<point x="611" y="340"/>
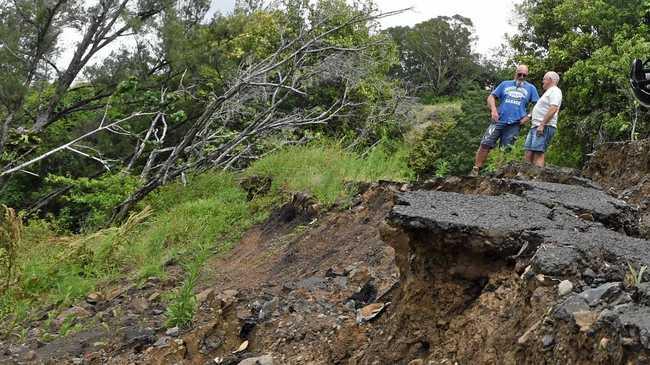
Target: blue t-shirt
<point x="513" y="100"/>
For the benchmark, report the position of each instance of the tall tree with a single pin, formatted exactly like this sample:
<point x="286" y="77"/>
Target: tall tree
<point x="30" y="31"/>
<point x="435" y="55"/>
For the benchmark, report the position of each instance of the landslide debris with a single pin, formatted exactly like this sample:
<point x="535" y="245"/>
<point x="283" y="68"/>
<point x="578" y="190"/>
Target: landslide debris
<point x="481" y="273"/>
<point x="623" y="168"/>
<point x="508" y="269"/>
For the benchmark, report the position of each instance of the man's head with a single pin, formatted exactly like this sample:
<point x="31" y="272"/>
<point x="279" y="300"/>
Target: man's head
<point x="521" y="74"/>
<point x="551" y="78"/>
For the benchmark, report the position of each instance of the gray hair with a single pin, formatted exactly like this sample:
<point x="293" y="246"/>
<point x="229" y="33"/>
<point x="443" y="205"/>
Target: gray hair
<point x="553" y="76"/>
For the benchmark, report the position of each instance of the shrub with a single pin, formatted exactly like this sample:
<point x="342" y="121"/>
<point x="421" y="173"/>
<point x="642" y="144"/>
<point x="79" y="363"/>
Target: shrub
<point x="89" y="202"/>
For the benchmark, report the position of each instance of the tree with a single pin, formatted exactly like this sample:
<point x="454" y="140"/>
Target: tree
<point x="435" y="55"/>
<point x="29" y="34"/>
<point x="591" y="44"/>
<point x="212" y="95"/>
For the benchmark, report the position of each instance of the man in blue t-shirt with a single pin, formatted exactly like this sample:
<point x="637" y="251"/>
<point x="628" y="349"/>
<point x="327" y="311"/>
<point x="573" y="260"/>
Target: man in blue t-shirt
<point x="514" y="97"/>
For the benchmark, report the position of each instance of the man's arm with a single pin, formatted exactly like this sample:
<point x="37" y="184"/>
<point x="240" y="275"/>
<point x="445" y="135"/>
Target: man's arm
<point x="493" y="108"/>
<point x="547" y="117"/>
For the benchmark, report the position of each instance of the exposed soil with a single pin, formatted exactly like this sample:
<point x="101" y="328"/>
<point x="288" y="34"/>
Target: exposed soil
<point x="527" y="266"/>
<point x="623" y="168"/>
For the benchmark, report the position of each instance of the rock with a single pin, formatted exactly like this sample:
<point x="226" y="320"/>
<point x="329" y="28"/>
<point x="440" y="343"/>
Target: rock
<point x="312" y="283"/>
<point x="585" y="319"/>
<point x="643" y="293"/>
<point x="78" y="312"/>
<point x="543" y="280"/>
<point x="548" y="340"/>
<point x="94" y="298"/>
<point x="341" y="282"/>
<point x="139" y="304"/>
<point x="527" y="274"/>
<point x="359" y="277"/>
<point x="260" y="360"/>
<point x="227" y="297"/>
<point x="34" y="332"/>
<point x="416" y="362"/>
<point x="565" y="287"/>
<point x="604" y="293"/>
<point x="30" y="355"/>
<point x="73" y="312"/>
<point x="369" y="312"/>
<point x="162" y="341"/>
<point x="205" y="295"/>
<point x="246" y="328"/>
<point x="588" y="275"/>
<point x="173" y="332"/>
<point x="117" y="292"/>
<point x="367" y="293"/>
<point x="154" y="297"/>
<point x="334" y="272"/>
<point x="77" y="360"/>
<point x="241" y="348"/>
<point x="268" y="308"/>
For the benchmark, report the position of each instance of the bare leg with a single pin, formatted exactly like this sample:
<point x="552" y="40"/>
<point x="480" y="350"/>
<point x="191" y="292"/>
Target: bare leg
<point x="529" y="156"/>
<point x="538" y="159"/>
<point x="481" y="156"/>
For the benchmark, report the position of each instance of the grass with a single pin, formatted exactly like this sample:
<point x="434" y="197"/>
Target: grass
<point x="633" y="277"/>
<point x="184" y="225"/>
<point x="323" y="169"/>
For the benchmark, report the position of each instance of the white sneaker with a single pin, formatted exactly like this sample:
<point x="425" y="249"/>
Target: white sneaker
<point x="475" y="171"/>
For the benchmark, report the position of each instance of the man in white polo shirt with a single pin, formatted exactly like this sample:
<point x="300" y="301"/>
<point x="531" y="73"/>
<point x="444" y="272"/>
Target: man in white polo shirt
<point x="544" y="117"/>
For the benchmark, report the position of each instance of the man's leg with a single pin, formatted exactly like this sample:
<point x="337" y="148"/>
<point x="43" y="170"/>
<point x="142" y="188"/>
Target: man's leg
<point x="543" y="143"/>
<point x="481" y="155"/>
<point x="538" y="159"/>
<point x="529" y="156"/>
<point x="489" y="140"/>
<point x="528" y="145"/>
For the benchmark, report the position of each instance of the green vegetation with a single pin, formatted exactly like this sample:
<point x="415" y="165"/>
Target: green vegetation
<point x="322" y="169"/>
<point x="337" y="100"/>
<point x="183" y="224"/>
<point x="634" y="277"/>
<point x="591" y="45"/>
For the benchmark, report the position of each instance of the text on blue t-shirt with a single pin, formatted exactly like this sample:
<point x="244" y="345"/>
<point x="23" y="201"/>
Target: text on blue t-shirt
<point x="513" y="100"/>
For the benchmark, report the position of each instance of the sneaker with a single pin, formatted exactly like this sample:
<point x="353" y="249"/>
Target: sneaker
<point x="475" y="171"/>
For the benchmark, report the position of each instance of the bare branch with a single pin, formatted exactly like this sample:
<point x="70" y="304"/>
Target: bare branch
<point x="69" y="144"/>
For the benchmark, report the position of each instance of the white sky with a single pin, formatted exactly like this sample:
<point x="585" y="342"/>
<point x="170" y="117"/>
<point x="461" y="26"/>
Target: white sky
<point x="491" y="20"/>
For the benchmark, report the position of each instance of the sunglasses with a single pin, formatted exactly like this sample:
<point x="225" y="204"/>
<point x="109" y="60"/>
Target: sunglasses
<point x="521" y="75"/>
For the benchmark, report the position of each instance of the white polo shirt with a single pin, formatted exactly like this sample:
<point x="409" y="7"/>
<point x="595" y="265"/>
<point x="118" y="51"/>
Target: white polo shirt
<point x="552" y="96"/>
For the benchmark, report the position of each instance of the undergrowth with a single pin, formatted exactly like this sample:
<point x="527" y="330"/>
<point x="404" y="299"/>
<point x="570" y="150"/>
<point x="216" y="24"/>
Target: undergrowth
<point x="323" y="169"/>
<point x="180" y="225"/>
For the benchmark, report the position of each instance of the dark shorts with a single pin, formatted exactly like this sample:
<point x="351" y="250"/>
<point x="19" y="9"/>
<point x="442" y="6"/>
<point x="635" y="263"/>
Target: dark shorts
<point x="506" y="134"/>
<point x="537" y="143"/>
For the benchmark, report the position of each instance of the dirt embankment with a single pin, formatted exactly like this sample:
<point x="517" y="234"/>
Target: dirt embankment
<point x="511" y="271"/>
<point x="507" y="269"/>
<point x="623" y="168"/>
